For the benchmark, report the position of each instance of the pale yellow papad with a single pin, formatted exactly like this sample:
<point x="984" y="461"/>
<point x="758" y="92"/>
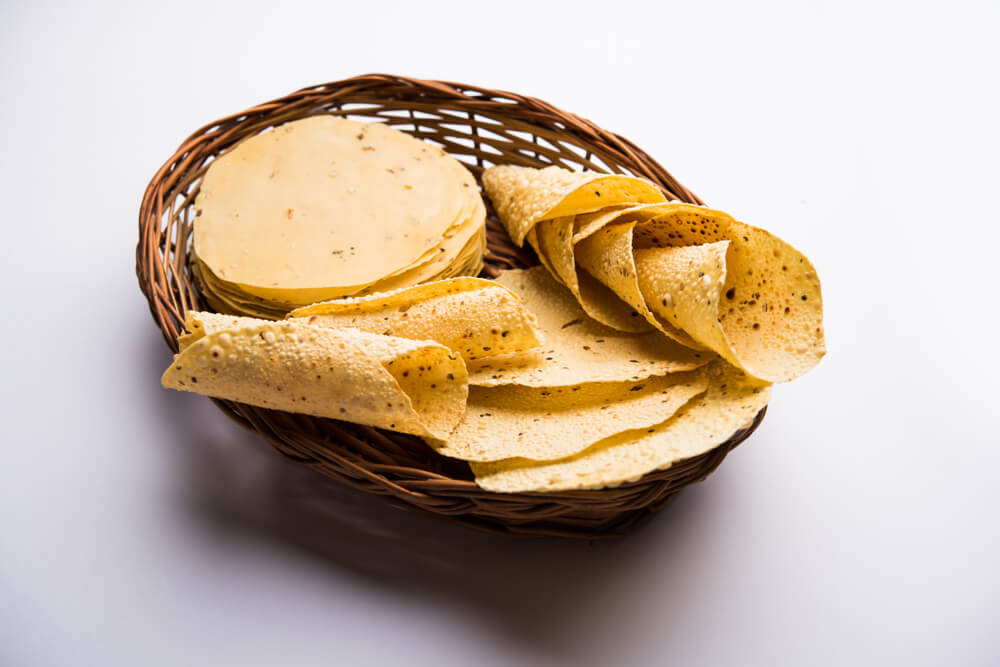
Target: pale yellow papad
<point x="767" y="315"/>
<point x="607" y="255"/>
<point x="459" y="252"/>
<point x="576" y="349"/>
<point x="417" y="387"/>
<point x="554" y="422"/>
<point x="524" y="195"/>
<point x="231" y="298"/>
<point x="475" y="317"/>
<point x="324" y="202"/>
<point x="730" y="404"/>
<point x="555" y="240"/>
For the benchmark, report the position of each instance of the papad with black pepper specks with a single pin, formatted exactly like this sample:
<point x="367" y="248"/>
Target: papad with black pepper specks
<point x="575" y="348"/>
<point x="524" y="195"/>
<point x="554" y="422"/>
<point x="475" y="317"/>
<point x="417" y="387"/>
<point x="733" y="288"/>
<point x="732" y="401"/>
<point x="554" y="242"/>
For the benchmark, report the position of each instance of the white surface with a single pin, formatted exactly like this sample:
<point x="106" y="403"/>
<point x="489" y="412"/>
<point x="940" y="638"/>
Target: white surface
<point x="859" y="525"/>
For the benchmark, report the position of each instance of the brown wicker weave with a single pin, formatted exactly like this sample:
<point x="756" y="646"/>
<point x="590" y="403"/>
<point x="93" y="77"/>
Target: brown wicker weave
<point x="480" y="127"/>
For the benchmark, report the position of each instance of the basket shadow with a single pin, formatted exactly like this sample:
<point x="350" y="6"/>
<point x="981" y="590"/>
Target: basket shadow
<point x="540" y="592"/>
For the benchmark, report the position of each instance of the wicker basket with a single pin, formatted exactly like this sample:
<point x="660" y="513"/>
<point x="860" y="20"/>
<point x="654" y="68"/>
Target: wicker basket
<point x="479" y="127"/>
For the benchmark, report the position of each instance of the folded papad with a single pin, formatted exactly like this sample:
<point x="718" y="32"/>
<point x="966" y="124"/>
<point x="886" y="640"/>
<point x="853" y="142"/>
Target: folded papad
<point x="417" y="387"/>
<point x="392" y="360"/>
<point x="695" y="274"/>
<point x="729" y="405"/>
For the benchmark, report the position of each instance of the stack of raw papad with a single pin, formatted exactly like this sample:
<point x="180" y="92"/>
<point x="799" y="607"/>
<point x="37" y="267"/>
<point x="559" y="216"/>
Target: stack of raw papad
<point x="325" y="207"/>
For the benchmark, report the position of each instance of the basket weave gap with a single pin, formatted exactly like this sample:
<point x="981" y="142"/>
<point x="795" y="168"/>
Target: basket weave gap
<point x="452" y="127"/>
<point x="356" y="108"/>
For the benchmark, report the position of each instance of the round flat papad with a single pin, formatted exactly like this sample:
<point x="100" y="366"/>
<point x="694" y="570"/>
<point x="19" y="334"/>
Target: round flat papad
<point x="231" y="298"/>
<point x="326" y="203"/>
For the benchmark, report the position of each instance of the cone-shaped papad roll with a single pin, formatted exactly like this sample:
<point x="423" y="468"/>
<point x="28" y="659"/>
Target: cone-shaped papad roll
<point x="554" y="241"/>
<point x="524" y="195"/>
<point x="733" y="288"/>
<point x="417" y="387"/>
<point x="607" y="255"/>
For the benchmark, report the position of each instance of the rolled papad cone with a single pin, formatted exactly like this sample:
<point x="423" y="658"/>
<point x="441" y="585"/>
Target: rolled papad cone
<point x="522" y="196"/>
<point x="417" y="387"/>
<point x="766" y="317"/>
<point x="607" y="256"/>
<point x="698" y="274"/>
<point x="554" y="241"/>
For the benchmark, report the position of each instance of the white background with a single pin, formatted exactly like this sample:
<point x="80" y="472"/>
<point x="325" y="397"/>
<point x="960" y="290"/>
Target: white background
<point x="857" y="527"/>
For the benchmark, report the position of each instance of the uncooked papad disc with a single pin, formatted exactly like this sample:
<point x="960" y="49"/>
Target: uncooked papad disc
<point x="326" y="207"/>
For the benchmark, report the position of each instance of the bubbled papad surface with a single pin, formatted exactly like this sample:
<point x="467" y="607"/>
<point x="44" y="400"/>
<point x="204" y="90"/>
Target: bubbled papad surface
<point x="769" y="317"/>
<point x="410" y="386"/>
<point x="575" y="348"/>
<point x="524" y="195"/>
<point x="730" y="404"/>
<point x="607" y="255"/>
<point x="475" y="317"/>
<point x="551" y="423"/>
<point x="554" y="242"/>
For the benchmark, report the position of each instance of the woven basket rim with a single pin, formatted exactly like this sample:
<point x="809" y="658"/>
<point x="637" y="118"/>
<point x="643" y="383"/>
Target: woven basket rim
<point x="163" y="271"/>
